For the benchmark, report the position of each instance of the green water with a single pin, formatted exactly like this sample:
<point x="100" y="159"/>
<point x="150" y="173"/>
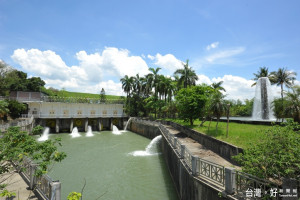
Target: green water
<point x="106" y="164"/>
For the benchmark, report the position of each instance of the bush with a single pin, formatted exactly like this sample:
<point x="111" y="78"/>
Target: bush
<point x="276" y="156"/>
<point x="37" y="130"/>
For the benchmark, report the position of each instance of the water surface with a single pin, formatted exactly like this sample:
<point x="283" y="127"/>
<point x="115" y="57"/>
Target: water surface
<point x="107" y="163"/>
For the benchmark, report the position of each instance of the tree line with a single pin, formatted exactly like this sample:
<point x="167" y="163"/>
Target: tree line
<point x="159" y="96"/>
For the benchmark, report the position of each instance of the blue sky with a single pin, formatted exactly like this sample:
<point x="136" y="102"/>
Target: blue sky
<point x="87" y="45"/>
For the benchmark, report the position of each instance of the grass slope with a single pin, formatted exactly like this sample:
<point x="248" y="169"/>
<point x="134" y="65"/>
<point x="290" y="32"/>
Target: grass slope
<point x="241" y="135"/>
<point x="84" y="95"/>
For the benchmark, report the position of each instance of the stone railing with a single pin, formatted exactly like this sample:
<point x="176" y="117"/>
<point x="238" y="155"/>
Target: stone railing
<point x="199" y="167"/>
<point x="47" y="188"/>
<point x="234" y="182"/>
<point x="74" y="115"/>
<point x="64" y="99"/>
<point x="81" y="100"/>
<point x="221" y="148"/>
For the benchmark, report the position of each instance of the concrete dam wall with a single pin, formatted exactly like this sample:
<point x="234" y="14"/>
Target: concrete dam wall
<point x="188" y="187"/>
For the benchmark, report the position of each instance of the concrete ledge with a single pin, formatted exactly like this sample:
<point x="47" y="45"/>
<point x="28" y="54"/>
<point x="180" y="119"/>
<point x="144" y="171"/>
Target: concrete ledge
<point x="222" y="148"/>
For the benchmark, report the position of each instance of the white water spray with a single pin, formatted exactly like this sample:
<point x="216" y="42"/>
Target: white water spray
<point x="116" y="130"/>
<point x="75" y="133"/>
<point x="150" y="150"/>
<point x="89" y="133"/>
<point x="263" y="100"/>
<point x="45" y="135"/>
<point x="127" y="123"/>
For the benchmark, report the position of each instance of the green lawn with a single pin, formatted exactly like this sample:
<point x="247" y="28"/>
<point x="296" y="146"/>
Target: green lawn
<point x="240" y="135"/>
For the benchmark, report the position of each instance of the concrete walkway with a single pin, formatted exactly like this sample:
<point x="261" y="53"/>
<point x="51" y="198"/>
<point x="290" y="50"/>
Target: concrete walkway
<point x="16" y="184"/>
<point x="199" y="150"/>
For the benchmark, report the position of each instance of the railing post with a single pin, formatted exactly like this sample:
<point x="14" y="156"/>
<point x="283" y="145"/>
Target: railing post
<point x="230" y="181"/>
<point x="55" y="190"/>
<point x="194" y="165"/>
<point x="32" y="180"/>
<point x="182" y="151"/>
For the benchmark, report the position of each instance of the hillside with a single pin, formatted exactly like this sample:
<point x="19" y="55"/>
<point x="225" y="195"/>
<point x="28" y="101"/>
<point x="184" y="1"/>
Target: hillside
<point x="84" y="95"/>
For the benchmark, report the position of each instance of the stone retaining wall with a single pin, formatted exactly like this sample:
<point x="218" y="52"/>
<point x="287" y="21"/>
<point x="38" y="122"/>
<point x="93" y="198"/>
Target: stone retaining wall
<point x="222" y="148"/>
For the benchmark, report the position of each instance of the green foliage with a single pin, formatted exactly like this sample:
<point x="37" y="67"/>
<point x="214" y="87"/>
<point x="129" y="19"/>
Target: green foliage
<point x="239" y="108"/>
<point x="74" y="196"/>
<point x="16" y="144"/>
<point x="7" y="194"/>
<point x="188" y="77"/>
<point x="153" y="104"/>
<point x="275" y="156"/>
<point x="37" y="130"/>
<point x="35" y="84"/>
<point x="135" y="106"/>
<point x="191" y="102"/>
<point x="102" y="95"/>
<point x="3" y="109"/>
<point x="15" y="108"/>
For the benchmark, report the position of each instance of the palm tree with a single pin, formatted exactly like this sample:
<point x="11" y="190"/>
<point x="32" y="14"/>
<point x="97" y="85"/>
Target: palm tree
<point x="217" y="106"/>
<point x="283" y="77"/>
<point x="137" y="84"/>
<point x="262" y="72"/>
<point x="153" y="79"/>
<point x="218" y="86"/>
<point x="188" y="76"/>
<point x="127" y="84"/>
<point x="293" y="103"/>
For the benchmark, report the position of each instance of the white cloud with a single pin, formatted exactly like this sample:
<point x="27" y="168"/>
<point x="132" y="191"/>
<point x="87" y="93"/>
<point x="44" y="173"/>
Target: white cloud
<point x="212" y="46"/>
<point x="225" y="54"/>
<point x="168" y="62"/>
<point x="93" y="71"/>
<point x="46" y="64"/>
<point x="111" y="88"/>
<point x="113" y="62"/>
<point x="236" y="87"/>
<point x="203" y="79"/>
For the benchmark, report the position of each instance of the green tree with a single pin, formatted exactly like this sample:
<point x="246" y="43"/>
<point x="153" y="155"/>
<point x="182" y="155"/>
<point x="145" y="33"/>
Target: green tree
<point x="3" y="109"/>
<point x="191" y="101"/>
<point x="37" y="130"/>
<point x="15" y="145"/>
<point x="102" y="95"/>
<point x="283" y="77"/>
<point x="218" y="86"/>
<point x="188" y="76"/>
<point x="35" y="84"/>
<point x="293" y="103"/>
<point x="262" y="72"/>
<point x="127" y="83"/>
<point x="153" y="104"/>
<point x="4" y="70"/>
<point x="17" y="80"/>
<point x="153" y="79"/>
<point x="217" y="106"/>
<point x="277" y="155"/>
<point x="15" y="108"/>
